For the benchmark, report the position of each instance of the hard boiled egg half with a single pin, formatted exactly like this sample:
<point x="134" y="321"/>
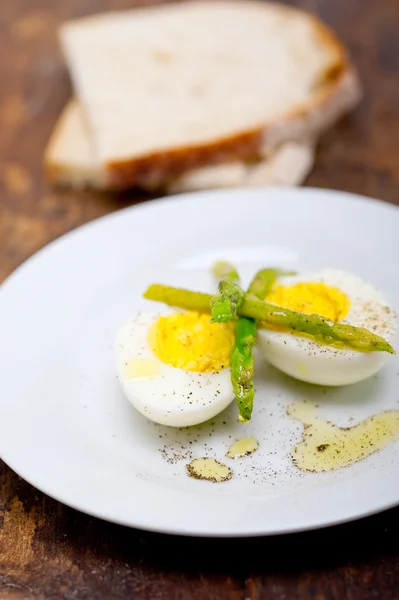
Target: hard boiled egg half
<point x="174" y="366"/>
<point x="340" y="297"/>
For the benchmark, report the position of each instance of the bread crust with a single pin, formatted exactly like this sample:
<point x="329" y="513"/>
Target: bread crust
<point x="289" y="165"/>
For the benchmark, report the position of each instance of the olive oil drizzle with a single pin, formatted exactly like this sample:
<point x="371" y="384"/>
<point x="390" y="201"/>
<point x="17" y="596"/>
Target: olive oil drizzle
<point x="209" y="469"/>
<point x="242" y="447"/>
<point x="142" y="368"/>
<point x="327" y="447"/>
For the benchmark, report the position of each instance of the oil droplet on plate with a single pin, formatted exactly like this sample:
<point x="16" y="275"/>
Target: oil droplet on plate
<point x="302" y="369"/>
<point x="327" y="447"/>
<point x="142" y="368"/>
<point x="209" y="469"/>
<point x="242" y="447"/>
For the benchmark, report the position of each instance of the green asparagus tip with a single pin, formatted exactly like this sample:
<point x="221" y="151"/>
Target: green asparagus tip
<point x="221" y="267"/>
<point x="147" y="294"/>
<point x="243" y="420"/>
<point x="245" y="405"/>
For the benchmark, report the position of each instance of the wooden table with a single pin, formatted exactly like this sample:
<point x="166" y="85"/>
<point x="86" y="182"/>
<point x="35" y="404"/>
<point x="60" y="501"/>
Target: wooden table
<point x="50" y="551"/>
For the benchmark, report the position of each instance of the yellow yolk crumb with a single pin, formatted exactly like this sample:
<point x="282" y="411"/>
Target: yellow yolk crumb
<point x="189" y="341"/>
<point x="311" y="298"/>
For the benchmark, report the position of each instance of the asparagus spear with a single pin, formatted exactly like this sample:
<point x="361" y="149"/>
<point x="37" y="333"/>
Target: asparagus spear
<point x="242" y="367"/>
<point x="225" y="304"/>
<point x="264" y="280"/>
<point x="322" y="330"/>
<point x="242" y="360"/>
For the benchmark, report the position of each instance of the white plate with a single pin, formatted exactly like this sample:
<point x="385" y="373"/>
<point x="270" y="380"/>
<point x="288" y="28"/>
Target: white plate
<point x="69" y="431"/>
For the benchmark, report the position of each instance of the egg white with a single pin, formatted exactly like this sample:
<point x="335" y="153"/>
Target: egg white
<point x="172" y="396"/>
<point x="309" y="361"/>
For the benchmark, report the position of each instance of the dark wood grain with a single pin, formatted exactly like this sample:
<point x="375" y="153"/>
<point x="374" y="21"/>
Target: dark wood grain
<point x="50" y="551"/>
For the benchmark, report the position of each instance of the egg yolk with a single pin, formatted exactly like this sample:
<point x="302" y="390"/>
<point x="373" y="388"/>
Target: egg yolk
<point x="311" y="298"/>
<point x="189" y="341"/>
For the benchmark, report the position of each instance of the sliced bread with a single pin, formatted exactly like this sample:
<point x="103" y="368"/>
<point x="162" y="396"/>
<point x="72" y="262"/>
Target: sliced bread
<point x="172" y="88"/>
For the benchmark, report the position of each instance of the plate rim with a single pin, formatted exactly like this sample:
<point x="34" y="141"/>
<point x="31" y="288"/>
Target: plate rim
<point x="195" y="533"/>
